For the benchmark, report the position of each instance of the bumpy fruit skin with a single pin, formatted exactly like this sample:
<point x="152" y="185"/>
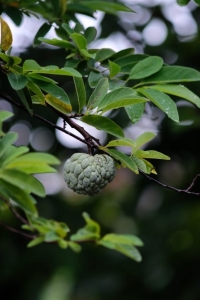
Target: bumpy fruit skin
<point x="86" y="174"/>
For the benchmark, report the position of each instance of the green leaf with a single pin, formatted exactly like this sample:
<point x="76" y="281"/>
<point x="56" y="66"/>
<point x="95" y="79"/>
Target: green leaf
<point x="143" y="139"/>
<point x="6" y="141"/>
<point x="123" y="53"/>
<point x="35" y="89"/>
<point x="121" y="142"/>
<point x="32" y="163"/>
<point x="179" y="91"/>
<point x="52" y="71"/>
<point x="42" y="31"/>
<point x="60" y="98"/>
<point x="58" y="104"/>
<point x="11" y="153"/>
<point x="104" y="124"/>
<point x="151" y="154"/>
<point x="108" y="7"/>
<point x="63" y="244"/>
<point x="140" y="164"/>
<point x="80" y="91"/>
<point x="17" y="81"/>
<point x="113" y="68"/>
<point x="146" y="67"/>
<point x="99" y="92"/>
<point x="74" y="246"/>
<point x="9" y="59"/>
<point x="94" y="78"/>
<point x="125" y="249"/>
<point x="135" y="111"/>
<point x="162" y="101"/>
<point x="26" y="100"/>
<point x="24" y="200"/>
<point x="4" y="115"/>
<point x="58" y="43"/>
<point x="67" y="28"/>
<point x="38" y="240"/>
<point x="91" y="231"/>
<point x="30" y="65"/>
<point x="125" y="160"/>
<point x="119" y="98"/>
<point x="51" y="237"/>
<point x="25" y="182"/>
<point x="90" y="34"/>
<point x="182" y="2"/>
<point x="127" y="239"/>
<point x="172" y="74"/>
<point x="79" y="40"/>
<point x="104" y="54"/>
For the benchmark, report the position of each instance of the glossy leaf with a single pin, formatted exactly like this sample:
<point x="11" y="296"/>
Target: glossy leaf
<point x="151" y="154"/>
<point x="179" y="91"/>
<point x="58" y="96"/>
<point x="17" y="81"/>
<point x="99" y="92"/>
<point x="33" y="163"/>
<point x="6" y="141"/>
<point x="125" y="160"/>
<point x="121" y="142"/>
<point x="182" y="2"/>
<point x="11" y="153"/>
<point x="162" y="101"/>
<point x="26" y="100"/>
<point x="127" y="239"/>
<point x="94" y="78"/>
<point x="104" y="124"/>
<point x="135" y="111"/>
<point x="143" y="139"/>
<point x="58" y="43"/>
<point x="23" y="199"/>
<point x="90" y="34"/>
<point x="35" y="89"/>
<point x="59" y="104"/>
<point x="25" y="182"/>
<point x="119" y="98"/>
<point x="113" y="68"/>
<point x="79" y="40"/>
<point x="4" y="115"/>
<point x="5" y="35"/>
<point x="104" y="54"/>
<point x="140" y="164"/>
<point x="125" y="249"/>
<point x="122" y="53"/>
<point x="80" y="92"/>
<point x="108" y="7"/>
<point x="31" y="65"/>
<point x="146" y="67"/>
<point x="172" y="74"/>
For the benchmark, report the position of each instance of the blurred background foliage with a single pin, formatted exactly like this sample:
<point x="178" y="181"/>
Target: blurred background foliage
<point x="167" y="222"/>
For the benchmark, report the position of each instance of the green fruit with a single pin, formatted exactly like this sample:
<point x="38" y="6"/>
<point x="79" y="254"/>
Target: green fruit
<point x="86" y="174"/>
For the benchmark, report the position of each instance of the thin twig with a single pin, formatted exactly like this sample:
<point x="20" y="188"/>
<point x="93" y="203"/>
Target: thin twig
<point x="186" y="191"/>
<point x="44" y="120"/>
<point x="17" y="231"/>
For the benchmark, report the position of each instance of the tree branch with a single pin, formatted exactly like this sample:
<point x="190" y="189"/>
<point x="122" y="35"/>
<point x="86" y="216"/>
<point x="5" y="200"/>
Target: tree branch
<point x="186" y="191"/>
<point x="80" y="129"/>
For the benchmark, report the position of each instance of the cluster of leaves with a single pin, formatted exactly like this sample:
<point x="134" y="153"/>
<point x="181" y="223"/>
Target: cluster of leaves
<point x="104" y="80"/>
<point x="18" y="185"/>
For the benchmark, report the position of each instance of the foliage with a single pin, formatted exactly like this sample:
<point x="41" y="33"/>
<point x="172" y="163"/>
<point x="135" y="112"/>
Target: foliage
<point x="104" y="80"/>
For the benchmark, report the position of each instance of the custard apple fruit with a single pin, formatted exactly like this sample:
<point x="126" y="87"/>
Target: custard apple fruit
<point x="86" y="174"/>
